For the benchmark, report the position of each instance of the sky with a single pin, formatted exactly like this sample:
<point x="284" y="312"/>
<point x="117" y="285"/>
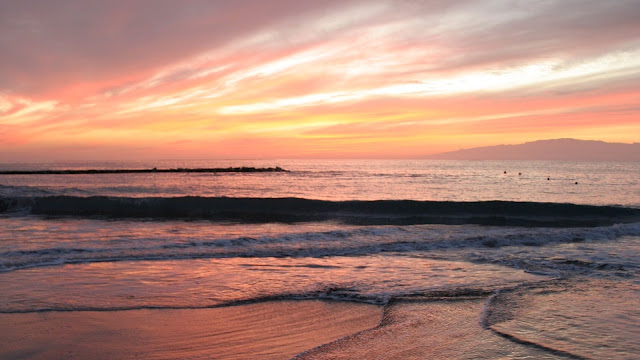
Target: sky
<point x="158" y="79"/>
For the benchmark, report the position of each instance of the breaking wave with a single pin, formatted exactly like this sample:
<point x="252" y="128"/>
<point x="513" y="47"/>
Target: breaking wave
<point x="476" y="244"/>
<point x="378" y="212"/>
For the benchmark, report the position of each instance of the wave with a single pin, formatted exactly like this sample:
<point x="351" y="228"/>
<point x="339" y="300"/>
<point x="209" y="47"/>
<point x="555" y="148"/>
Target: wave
<point x="377" y="212"/>
<point x="335" y="292"/>
<point x="9" y="191"/>
<point x="489" y="245"/>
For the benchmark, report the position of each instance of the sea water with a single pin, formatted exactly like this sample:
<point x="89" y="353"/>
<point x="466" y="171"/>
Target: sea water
<point x="554" y="246"/>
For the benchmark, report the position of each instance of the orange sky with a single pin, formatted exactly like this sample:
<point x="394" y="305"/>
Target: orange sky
<point x="291" y="78"/>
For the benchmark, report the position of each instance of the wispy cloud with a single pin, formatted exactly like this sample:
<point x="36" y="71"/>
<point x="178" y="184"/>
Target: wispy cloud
<point x="329" y="74"/>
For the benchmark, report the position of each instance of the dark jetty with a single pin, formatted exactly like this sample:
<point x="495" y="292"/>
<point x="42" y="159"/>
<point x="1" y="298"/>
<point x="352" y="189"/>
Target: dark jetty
<point x="137" y="171"/>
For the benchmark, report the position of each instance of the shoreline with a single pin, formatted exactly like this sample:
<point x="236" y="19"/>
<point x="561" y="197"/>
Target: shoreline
<point x="268" y="330"/>
<point x="281" y="329"/>
<point x="453" y="326"/>
<point x="430" y="329"/>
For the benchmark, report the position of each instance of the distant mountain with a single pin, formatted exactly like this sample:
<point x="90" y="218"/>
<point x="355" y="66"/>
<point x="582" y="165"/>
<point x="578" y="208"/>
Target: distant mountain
<point x="557" y="149"/>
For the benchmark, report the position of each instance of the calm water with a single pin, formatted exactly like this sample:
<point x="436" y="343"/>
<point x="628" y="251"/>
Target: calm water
<point x="599" y="183"/>
<point x="559" y="287"/>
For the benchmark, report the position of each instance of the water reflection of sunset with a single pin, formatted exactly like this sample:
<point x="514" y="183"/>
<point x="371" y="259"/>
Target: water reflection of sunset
<point x="214" y="282"/>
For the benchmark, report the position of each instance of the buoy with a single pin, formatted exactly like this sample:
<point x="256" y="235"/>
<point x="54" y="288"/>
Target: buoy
<point x="505" y="172"/>
<point x="576" y="183"/>
<point x="519" y="174"/>
<point x="548" y="178"/>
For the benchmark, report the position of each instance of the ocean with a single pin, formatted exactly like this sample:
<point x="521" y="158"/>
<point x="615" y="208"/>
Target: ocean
<point x="553" y="246"/>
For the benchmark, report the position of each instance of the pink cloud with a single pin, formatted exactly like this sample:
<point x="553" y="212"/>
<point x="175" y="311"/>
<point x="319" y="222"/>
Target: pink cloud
<point x="316" y="76"/>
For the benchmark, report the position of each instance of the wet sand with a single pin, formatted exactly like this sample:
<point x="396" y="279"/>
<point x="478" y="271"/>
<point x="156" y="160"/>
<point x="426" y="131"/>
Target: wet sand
<point x="428" y="330"/>
<point x="304" y="330"/>
<point x="271" y="330"/>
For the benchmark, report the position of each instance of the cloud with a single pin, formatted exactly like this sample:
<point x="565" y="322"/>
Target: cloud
<point x="18" y="110"/>
<point x="157" y="70"/>
<point x="46" y="44"/>
<point x="50" y="45"/>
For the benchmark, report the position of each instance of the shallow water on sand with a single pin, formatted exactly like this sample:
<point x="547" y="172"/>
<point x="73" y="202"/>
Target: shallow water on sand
<point x="271" y="331"/>
<point x="588" y="318"/>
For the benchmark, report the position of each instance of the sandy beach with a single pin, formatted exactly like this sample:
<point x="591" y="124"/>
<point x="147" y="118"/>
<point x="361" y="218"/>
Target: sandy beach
<point x="270" y="330"/>
<point x="446" y="329"/>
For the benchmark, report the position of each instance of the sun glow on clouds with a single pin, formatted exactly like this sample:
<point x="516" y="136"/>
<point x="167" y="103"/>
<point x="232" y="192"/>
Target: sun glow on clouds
<point x="19" y="110"/>
<point x="350" y="79"/>
<point x="543" y="73"/>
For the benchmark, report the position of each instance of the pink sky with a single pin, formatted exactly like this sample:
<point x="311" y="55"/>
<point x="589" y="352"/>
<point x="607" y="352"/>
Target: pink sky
<point x="293" y="78"/>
